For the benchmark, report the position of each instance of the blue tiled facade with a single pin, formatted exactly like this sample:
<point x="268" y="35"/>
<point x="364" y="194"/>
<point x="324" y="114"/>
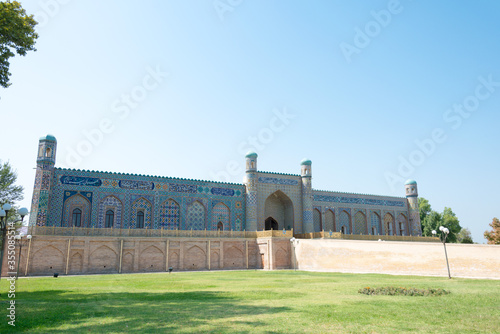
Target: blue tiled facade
<point x="82" y="198"/>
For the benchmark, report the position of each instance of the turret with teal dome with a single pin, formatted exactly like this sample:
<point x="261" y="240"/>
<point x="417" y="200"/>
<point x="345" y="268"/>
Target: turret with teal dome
<point x="305" y="168"/>
<point x="45" y="162"/>
<point x="411" y="188"/>
<point x="47" y="150"/>
<point x="251" y="161"/>
<point x="49" y="137"/>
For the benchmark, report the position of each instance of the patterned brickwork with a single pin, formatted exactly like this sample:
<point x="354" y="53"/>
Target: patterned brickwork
<point x="329" y="221"/>
<point x="307" y="205"/>
<point x="317" y="219"/>
<point x="155" y="189"/>
<point x="375" y="223"/>
<point x="114" y="204"/>
<point x="359" y="223"/>
<point x="357" y="200"/>
<point x="290" y="196"/>
<point x="251" y="180"/>
<point x="77" y="201"/>
<point x="345" y="221"/>
<point x="220" y="213"/>
<point x="170" y="214"/>
<point x="173" y="203"/>
<point x="388" y="224"/>
<point x="141" y="204"/>
<point x="402" y="225"/>
<point x="196" y="216"/>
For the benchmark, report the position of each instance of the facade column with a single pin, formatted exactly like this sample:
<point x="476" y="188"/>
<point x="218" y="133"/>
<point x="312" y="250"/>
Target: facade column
<point x="221" y="253"/>
<point x="67" y="256"/>
<point x="208" y="254"/>
<point x="251" y="185"/>
<point x="166" y="252"/>
<point x="121" y="256"/>
<point x="307" y="197"/>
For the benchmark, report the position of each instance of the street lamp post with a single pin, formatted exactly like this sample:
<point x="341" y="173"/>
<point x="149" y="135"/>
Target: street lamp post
<point x="444" y="233"/>
<point x="21" y="242"/>
<point x="4" y="214"/>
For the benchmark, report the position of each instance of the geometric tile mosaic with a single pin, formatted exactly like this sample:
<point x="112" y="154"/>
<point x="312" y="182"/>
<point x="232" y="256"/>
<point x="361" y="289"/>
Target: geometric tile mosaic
<point x="170" y="215"/>
<point x="195" y="216"/>
<point x="220" y="214"/>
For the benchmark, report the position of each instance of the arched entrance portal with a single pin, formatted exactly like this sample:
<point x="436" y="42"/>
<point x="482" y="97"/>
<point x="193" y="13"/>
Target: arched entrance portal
<point x="271" y="224"/>
<point x="279" y="207"/>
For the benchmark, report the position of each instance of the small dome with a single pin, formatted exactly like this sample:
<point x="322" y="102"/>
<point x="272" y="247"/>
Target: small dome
<point x="251" y="154"/>
<point x="49" y="137"/>
<point x="410" y="181"/>
<point x="306" y="162"/>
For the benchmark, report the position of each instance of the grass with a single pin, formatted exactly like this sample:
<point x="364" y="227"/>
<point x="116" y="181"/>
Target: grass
<point x="249" y="302"/>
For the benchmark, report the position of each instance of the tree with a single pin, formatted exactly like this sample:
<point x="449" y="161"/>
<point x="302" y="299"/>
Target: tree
<point x="431" y="222"/>
<point x="493" y="236"/>
<point x="17" y="34"/>
<point x="424" y="208"/>
<point x="9" y="192"/>
<point x="451" y="222"/>
<point x="464" y="236"/>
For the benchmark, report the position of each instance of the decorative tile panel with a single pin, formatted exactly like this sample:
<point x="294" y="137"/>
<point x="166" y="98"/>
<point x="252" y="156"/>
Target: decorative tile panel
<point x="275" y="180"/>
<point x="351" y="200"/>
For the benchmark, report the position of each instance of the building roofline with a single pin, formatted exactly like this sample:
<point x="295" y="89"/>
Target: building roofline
<point x="275" y="173"/>
<point x="348" y="193"/>
<point x="144" y="175"/>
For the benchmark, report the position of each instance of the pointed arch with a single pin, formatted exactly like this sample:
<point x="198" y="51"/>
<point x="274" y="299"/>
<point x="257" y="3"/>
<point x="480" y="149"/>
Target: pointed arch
<point x="110" y="202"/>
<point x="317" y="223"/>
<point x="345" y="222"/>
<point x="152" y="259"/>
<point x="103" y="259"/>
<point x="389" y="224"/>
<point x="280" y="207"/>
<point x="47" y="260"/>
<point x="196" y="216"/>
<point x="128" y="262"/>
<point x="329" y="221"/>
<point x="220" y="217"/>
<point x="141" y="213"/>
<point x="76" y="211"/>
<point x="359" y="223"/>
<point x="376" y="227"/>
<point x="233" y="257"/>
<point x="173" y="260"/>
<point x="110" y="219"/>
<point x="170" y="215"/>
<point x="402" y="225"/>
<point x="195" y="258"/>
<point x="76" y="263"/>
<point x="271" y="224"/>
<point x="214" y="260"/>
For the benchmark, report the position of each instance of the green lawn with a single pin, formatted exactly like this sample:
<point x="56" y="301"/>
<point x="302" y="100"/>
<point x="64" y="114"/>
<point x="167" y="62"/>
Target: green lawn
<point x="249" y="302"/>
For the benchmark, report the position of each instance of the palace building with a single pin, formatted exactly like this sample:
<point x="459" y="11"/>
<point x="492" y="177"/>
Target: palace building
<point x="265" y="200"/>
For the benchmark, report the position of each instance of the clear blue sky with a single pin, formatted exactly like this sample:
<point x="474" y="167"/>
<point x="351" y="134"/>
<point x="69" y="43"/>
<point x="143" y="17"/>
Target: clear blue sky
<point x="360" y="81"/>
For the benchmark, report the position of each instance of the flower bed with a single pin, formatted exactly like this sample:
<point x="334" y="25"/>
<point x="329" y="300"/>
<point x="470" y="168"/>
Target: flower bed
<point x="393" y="291"/>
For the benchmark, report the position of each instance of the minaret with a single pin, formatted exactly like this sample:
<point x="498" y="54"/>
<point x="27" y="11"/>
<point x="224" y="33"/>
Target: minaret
<point x="251" y="181"/>
<point x="413" y="212"/>
<point x="307" y="198"/>
<point x="45" y="162"/>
